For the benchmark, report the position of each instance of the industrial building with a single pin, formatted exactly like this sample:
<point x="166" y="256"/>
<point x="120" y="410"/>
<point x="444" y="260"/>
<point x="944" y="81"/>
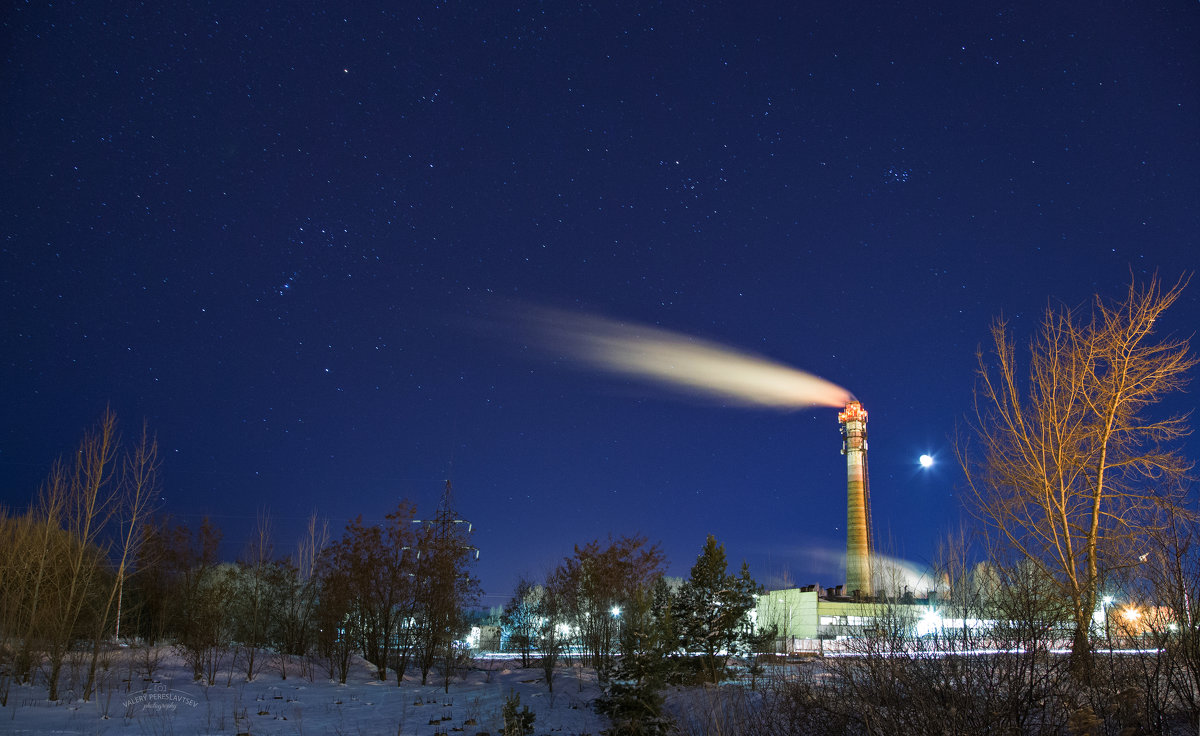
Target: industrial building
<point x="873" y="601"/>
<point x="812" y="614"/>
<point x="803" y="617"/>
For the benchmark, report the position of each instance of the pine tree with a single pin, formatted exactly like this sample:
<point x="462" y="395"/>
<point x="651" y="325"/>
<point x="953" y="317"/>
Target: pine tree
<point x="633" y="698"/>
<point x="711" y="609"/>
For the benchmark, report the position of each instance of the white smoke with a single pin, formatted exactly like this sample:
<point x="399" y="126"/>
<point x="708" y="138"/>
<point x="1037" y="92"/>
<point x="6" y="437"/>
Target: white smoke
<point x="681" y="363"/>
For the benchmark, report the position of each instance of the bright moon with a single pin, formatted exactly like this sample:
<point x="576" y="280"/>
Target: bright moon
<point x="926" y="461"/>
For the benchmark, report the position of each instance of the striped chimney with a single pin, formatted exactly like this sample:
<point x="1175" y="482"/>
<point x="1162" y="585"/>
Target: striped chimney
<point x="858" y="526"/>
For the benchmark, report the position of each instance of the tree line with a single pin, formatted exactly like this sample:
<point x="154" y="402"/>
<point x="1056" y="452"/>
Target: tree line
<point x="610" y="606"/>
<point x="89" y="563"/>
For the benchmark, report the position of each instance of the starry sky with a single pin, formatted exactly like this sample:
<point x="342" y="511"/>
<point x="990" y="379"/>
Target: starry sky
<point x="289" y="235"/>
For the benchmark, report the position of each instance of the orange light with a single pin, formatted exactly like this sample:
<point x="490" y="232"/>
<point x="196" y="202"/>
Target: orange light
<point x="853" y="413"/>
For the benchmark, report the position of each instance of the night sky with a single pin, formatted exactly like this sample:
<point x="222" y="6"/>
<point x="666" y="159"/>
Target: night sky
<point x="289" y="236"/>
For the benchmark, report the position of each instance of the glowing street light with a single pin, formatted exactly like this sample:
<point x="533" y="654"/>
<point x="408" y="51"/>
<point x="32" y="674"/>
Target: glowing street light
<point x="929" y="623"/>
<point x="1105" y="604"/>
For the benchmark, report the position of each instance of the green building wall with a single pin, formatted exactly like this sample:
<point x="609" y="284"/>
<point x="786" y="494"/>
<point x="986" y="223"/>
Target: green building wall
<point x="803" y="614"/>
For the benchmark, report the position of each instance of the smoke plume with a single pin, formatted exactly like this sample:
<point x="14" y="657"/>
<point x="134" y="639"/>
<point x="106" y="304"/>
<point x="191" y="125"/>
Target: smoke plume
<point x="680" y="363"/>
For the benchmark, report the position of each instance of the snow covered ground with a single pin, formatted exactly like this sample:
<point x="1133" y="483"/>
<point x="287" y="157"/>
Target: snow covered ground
<point x="172" y="703"/>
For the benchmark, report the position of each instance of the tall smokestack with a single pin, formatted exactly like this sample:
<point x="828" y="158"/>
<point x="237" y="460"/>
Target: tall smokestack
<point x="858" y="527"/>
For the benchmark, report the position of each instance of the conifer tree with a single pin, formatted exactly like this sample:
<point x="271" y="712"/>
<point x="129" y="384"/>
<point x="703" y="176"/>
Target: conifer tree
<point x="712" y="608"/>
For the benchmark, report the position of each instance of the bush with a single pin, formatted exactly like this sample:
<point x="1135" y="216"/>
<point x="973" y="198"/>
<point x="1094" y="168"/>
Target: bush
<point x="517" y="723"/>
<point x="635" y="710"/>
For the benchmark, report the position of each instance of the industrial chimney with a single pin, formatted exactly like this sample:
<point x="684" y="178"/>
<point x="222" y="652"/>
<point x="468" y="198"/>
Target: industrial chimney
<point x="858" y="499"/>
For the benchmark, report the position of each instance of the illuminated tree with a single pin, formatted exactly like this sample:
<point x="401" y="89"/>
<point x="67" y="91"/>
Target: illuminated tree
<point x="298" y="582"/>
<point x="1171" y="588"/>
<point x="199" y="591"/>
<point x="83" y="492"/>
<point x="83" y="536"/>
<point x="598" y="583"/>
<point x="254" y="603"/>
<point x="711" y="608"/>
<point x="649" y="641"/>
<point x="444" y="588"/>
<point x="521" y="618"/>
<point x="1073" y="462"/>
<point x="552" y="639"/>
<point x="366" y="585"/>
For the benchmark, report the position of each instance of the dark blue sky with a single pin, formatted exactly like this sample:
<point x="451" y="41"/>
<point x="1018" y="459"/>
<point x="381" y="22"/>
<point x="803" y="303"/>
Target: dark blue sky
<point x="272" y="230"/>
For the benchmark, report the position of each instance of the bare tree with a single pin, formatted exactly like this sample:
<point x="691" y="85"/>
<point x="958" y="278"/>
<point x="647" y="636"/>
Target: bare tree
<point x="365" y="582"/>
<point x="85" y="493"/>
<point x="552" y="639"/>
<point x="133" y="502"/>
<point x="155" y="588"/>
<point x="141" y="486"/>
<point x="254" y="603"/>
<point x="443" y="588"/>
<point x="296" y="629"/>
<point x="64" y="576"/>
<point x="334" y="605"/>
<point x="597" y="583"/>
<point x="15" y="538"/>
<point x="200" y="588"/>
<point x="1072" y="465"/>
<point x="520" y="619"/>
<point x="1158" y="610"/>
<point x="30" y="577"/>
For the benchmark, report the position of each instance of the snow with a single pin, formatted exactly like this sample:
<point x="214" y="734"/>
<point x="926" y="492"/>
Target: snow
<point x="172" y="703"/>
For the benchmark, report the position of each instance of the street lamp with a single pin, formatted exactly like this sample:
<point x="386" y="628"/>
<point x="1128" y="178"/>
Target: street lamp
<point x="1107" y="602"/>
<point x="1131" y="621"/>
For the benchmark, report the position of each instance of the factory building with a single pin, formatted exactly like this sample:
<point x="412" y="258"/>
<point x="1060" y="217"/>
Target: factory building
<point x="806" y="617"/>
<point x="813" y="614"/>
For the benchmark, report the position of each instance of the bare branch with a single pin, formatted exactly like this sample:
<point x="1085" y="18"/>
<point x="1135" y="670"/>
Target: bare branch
<point x="1072" y="462"/>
